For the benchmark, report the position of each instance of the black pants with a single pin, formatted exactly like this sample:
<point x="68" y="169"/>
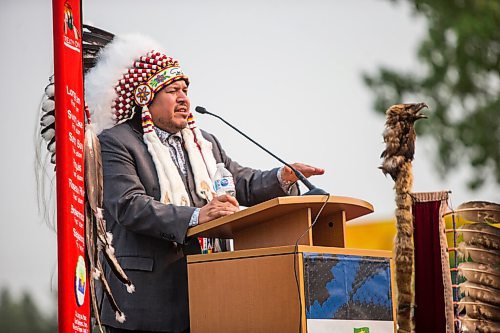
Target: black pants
<point x="120" y="330"/>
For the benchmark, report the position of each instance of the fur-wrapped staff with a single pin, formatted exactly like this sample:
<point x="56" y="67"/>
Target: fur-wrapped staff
<point x="399" y="137"/>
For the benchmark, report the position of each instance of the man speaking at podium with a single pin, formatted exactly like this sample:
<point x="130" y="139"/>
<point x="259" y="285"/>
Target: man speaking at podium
<point x="158" y="168"/>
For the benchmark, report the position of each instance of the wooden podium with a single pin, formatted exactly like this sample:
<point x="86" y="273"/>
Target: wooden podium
<point x="270" y="285"/>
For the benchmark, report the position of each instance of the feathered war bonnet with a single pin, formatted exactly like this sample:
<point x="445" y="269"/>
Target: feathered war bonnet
<point x="127" y="74"/>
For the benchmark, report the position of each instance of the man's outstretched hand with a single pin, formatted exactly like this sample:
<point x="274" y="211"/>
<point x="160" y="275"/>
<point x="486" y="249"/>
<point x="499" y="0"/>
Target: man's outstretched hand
<point x="307" y="170"/>
<point x="219" y="206"/>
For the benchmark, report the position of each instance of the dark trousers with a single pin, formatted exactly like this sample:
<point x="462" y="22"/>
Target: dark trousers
<point x="120" y="330"/>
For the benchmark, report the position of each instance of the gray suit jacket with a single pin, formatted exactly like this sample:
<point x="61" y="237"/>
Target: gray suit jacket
<point x="150" y="237"/>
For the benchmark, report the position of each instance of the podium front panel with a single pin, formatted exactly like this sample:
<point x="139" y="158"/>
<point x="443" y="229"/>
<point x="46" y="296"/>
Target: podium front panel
<point x="340" y="290"/>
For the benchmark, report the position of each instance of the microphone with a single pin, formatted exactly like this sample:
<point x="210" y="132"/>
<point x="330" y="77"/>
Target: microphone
<point x="313" y="190"/>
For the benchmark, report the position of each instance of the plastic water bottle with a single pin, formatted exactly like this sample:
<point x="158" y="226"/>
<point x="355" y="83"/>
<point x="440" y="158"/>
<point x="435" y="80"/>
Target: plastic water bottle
<point x="223" y="181"/>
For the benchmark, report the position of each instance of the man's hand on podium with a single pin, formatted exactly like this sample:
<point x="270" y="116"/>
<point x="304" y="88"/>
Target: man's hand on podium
<point x="289" y="176"/>
<point x="219" y="206"/>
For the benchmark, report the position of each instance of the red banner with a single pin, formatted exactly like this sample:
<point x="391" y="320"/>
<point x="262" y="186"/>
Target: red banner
<point x="73" y="297"/>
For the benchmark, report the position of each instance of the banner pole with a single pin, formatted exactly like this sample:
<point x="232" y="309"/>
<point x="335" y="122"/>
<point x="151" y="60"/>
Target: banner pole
<point x="73" y="291"/>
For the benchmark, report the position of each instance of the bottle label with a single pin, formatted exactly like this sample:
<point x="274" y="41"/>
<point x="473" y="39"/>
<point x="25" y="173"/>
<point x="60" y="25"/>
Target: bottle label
<point x="224" y="184"/>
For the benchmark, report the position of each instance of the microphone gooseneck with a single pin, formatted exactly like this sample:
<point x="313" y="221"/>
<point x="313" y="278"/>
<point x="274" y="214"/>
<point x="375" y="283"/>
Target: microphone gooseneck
<point x="313" y="190"/>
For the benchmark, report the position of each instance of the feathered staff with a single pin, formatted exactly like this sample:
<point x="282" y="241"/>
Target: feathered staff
<point x="399" y="137"/>
<point x="97" y="239"/>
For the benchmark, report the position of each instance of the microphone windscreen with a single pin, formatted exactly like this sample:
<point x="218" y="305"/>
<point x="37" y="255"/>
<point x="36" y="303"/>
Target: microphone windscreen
<point x="200" y="109"/>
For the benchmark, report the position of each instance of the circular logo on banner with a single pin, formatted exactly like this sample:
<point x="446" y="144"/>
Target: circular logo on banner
<point x="80" y="281"/>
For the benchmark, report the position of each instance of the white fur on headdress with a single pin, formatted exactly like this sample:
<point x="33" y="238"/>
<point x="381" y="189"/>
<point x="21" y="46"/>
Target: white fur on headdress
<point x="100" y="81"/>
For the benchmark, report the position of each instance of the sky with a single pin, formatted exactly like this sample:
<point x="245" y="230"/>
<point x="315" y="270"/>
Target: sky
<point x="288" y="73"/>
